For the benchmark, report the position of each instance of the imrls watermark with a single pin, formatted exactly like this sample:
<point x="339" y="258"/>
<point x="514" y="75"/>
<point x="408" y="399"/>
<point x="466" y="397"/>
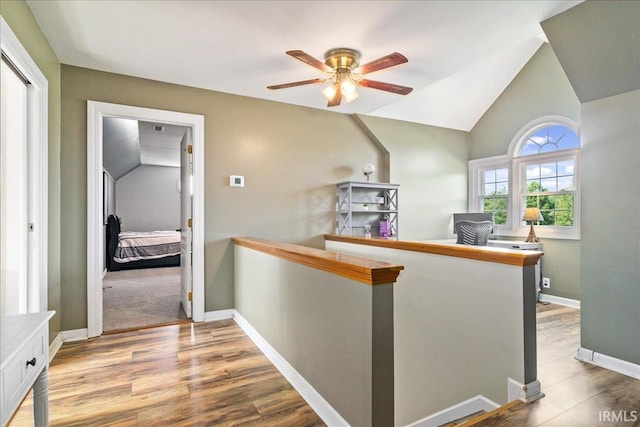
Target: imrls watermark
<point x="608" y="416"/>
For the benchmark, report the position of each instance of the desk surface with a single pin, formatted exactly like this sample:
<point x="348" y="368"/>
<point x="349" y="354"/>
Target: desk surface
<point x="496" y="243"/>
<point x="515" y="244"/>
<point x="448" y="247"/>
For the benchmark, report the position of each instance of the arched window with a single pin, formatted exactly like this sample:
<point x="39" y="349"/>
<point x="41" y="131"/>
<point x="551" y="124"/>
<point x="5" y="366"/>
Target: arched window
<point x="548" y="139"/>
<point x="542" y="170"/>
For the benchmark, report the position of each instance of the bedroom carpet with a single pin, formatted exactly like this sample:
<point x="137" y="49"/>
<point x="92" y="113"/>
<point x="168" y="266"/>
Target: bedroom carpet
<point x="141" y="298"/>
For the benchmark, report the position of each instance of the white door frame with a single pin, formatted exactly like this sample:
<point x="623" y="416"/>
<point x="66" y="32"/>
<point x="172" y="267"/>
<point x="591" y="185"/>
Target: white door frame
<point x="38" y="166"/>
<point x="96" y="111"/>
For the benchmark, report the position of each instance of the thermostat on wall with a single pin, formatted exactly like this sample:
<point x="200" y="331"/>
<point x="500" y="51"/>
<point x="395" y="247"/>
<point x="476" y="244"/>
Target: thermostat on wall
<point x="236" y="181"/>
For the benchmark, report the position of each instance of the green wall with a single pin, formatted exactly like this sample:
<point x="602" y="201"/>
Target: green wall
<point x="18" y="16"/>
<point x="611" y="226"/>
<point x="291" y="158"/>
<point x="430" y="164"/>
<point x="540" y="89"/>
<point x="597" y="42"/>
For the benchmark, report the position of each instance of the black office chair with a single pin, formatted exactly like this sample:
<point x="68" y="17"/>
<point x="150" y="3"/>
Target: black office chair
<point x="473" y="233"/>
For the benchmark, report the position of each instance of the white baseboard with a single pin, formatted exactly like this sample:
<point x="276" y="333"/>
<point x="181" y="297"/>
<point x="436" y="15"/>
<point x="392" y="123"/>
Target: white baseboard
<point x="456" y="412"/>
<point x="324" y="410"/>
<point x="74" y="335"/>
<point x="55" y="346"/>
<point x="66" y="336"/>
<point x="211" y="316"/>
<point x="573" y="303"/>
<point x="526" y="393"/>
<point x="608" y="362"/>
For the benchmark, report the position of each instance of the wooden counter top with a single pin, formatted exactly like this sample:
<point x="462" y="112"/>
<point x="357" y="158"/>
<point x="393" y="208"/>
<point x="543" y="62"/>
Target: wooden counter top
<point x="480" y="253"/>
<point x="361" y="269"/>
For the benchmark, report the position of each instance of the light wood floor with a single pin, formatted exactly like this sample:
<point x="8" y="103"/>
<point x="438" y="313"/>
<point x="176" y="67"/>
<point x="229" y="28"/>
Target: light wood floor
<point x="202" y="374"/>
<point x="574" y="391"/>
<point x="209" y="374"/>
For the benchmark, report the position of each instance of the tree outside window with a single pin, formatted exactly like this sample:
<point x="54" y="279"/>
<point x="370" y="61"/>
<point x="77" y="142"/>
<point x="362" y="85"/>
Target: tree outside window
<point x="541" y="170"/>
<point x="550" y="185"/>
<point x="495" y="194"/>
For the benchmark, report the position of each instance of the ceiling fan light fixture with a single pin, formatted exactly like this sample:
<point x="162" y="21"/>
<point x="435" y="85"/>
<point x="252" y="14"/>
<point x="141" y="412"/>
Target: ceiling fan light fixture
<point x="347" y="88"/>
<point x="350" y="97"/>
<point x="345" y="73"/>
<point x="342" y="58"/>
<point x="349" y="92"/>
<point x="330" y="91"/>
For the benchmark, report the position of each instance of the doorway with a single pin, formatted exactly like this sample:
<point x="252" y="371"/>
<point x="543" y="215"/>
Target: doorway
<point x="147" y="203"/>
<point x="96" y="113"/>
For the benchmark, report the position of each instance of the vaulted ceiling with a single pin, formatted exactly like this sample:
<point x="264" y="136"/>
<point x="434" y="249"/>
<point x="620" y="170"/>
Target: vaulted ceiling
<point x="598" y="46"/>
<point x="129" y="143"/>
<point x="462" y="54"/>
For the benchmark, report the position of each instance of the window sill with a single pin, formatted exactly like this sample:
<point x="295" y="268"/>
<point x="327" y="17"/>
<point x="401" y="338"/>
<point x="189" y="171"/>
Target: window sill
<point x="540" y="233"/>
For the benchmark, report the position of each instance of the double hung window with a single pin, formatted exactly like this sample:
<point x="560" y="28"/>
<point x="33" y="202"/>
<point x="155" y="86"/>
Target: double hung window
<point x="542" y="172"/>
<point x="495" y="194"/>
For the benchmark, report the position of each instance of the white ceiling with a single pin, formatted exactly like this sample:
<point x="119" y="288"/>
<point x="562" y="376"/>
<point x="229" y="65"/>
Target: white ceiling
<point x="462" y="54"/>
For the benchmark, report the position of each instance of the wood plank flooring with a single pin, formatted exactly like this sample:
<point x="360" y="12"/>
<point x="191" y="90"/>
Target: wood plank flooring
<point x="211" y="374"/>
<point x="575" y="391"/>
<point x="200" y="374"/>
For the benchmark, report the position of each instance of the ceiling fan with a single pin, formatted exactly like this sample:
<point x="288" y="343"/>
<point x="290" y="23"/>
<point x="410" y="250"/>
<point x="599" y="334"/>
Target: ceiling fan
<point x="345" y="72"/>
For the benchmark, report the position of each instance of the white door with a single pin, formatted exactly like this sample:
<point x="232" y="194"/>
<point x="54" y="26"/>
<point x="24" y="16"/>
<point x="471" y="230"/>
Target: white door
<point x="23" y="215"/>
<point x="14" y="194"/>
<point x="186" y="178"/>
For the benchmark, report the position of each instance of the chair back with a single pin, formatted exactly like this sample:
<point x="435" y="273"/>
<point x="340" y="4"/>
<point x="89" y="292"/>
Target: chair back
<point x="473" y="233"/>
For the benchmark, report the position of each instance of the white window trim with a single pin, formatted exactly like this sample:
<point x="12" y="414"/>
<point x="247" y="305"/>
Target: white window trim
<point x="519" y="178"/>
<point x="520" y="138"/>
<point x="38" y="166"/>
<point x="476" y="170"/>
<point x="515" y="164"/>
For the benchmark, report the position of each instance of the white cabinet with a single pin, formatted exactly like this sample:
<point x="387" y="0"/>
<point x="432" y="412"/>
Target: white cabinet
<point x="362" y="205"/>
<point x="25" y="359"/>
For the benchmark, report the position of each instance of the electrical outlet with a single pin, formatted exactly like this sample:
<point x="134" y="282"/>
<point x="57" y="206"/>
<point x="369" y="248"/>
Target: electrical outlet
<point x="546" y="282"/>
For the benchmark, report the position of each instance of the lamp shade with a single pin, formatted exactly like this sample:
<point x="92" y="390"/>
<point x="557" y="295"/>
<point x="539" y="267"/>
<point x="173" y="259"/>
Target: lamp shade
<point x="532" y="214"/>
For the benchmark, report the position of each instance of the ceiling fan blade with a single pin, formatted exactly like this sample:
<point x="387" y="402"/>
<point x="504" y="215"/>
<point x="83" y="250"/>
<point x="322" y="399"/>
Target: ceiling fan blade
<point x="388" y="87"/>
<point x="390" y="60"/>
<point x="294" y="84"/>
<point x="310" y="60"/>
<point x="335" y="101"/>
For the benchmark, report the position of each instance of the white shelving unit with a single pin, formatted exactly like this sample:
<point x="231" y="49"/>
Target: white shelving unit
<point x="366" y="203"/>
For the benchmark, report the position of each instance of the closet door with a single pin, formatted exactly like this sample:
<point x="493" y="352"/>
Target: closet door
<point x="13" y="192"/>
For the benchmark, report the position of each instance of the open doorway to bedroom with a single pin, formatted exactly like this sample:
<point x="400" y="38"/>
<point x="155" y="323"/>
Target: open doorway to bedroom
<point x="100" y="195"/>
<point x="144" y="211"/>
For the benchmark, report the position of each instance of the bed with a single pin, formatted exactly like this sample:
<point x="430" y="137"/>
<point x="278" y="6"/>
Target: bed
<point x="134" y="250"/>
